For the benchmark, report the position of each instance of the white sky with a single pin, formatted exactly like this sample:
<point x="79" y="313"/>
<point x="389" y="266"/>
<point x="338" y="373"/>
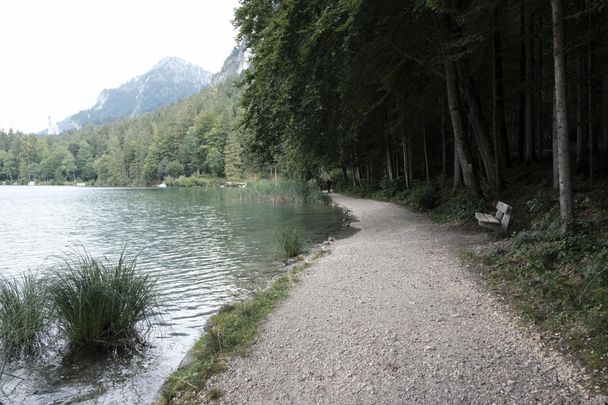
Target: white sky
<point x="57" y="55"/>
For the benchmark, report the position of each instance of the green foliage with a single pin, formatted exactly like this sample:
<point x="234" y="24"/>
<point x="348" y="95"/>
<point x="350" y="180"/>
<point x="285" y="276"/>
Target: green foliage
<point x="560" y="281"/>
<point x="192" y="181"/>
<point x="423" y="197"/>
<point x="23" y="314"/>
<point x="189" y="137"/>
<point x="456" y="205"/>
<point x="233" y="167"/>
<point x="291" y="241"/>
<point x="174" y="169"/>
<point x="101" y="304"/>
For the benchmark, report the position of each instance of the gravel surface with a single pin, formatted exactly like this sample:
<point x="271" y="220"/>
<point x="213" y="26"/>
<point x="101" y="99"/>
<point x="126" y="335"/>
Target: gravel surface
<point x="392" y="317"/>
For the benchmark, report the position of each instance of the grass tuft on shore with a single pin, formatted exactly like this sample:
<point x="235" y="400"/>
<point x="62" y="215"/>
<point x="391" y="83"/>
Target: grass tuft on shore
<point x="229" y="333"/>
<point x="23" y="314"/>
<point x="101" y="304"/>
<point x="291" y="241"/>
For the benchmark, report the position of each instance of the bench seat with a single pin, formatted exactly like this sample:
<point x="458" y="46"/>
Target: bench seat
<point x="486" y="218"/>
<point x="498" y="222"/>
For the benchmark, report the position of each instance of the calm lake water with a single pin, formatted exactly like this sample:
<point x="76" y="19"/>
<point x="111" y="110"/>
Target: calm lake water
<point x="204" y="249"/>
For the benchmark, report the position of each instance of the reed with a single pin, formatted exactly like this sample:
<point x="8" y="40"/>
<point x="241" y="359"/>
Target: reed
<point x="101" y="304"/>
<point x="291" y="241"/>
<point x="284" y="191"/>
<point x="23" y="314"/>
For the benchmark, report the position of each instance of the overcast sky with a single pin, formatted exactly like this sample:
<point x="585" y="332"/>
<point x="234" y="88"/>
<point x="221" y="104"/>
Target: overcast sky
<point x="57" y="55"/>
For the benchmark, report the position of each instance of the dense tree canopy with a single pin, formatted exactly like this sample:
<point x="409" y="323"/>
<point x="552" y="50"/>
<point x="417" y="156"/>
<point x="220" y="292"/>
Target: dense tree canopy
<point x="199" y="135"/>
<point x="375" y="87"/>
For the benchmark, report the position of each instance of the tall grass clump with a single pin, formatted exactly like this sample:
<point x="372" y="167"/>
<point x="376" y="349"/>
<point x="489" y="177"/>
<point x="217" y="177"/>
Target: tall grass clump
<point x="23" y="314"/>
<point x="291" y="241"/>
<point x="102" y="304"/>
<point x="284" y="191"/>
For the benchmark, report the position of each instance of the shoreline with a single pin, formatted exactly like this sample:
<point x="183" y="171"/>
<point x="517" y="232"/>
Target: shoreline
<point x="291" y="269"/>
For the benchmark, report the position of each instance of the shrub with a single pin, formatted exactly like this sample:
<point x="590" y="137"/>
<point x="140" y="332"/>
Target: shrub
<point x="23" y="314"/>
<point x="424" y="197"/>
<point x="457" y="206"/>
<point x="99" y="303"/>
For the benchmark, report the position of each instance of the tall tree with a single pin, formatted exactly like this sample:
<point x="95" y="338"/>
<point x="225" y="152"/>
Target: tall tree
<point x="561" y="113"/>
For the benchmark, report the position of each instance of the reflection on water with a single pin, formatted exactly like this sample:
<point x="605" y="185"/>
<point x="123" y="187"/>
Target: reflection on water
<point x="204" y="249"/>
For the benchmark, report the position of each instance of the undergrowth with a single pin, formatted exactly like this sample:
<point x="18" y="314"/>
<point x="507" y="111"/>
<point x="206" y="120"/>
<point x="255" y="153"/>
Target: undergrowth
<point x="560" y="282"/>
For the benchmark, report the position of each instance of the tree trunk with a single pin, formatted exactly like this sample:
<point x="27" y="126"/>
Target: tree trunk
<point x="580" y="104"/>
<point x="498" y="113"/>
<point x="387" y="153"/>
<point x="426" y="157"/>
<point x="554" y="147"/>
<point x="521" y="122"/>
<point x="406" y="173"/>
<point x="559" y="59"/>
<point x="538" y="132"/>
<point x="529" y="95"/>
<point x="479" y="124"/>
<point x="605" y="114"/>
<point x="464" y="154"/>
<point x="444" y="146"/>
<point x="410" y="160"/>
<point x="590" y="134"/>
<point x="457" y="170"/>
<point x="499" y="100"/>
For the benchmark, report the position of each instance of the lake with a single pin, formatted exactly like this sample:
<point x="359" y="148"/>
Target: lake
<point x="205" y="249"/>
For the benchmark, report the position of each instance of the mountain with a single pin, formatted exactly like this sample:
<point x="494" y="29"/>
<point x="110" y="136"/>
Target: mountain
<point x="170" y="80"/>
<point x="233" y="66"/>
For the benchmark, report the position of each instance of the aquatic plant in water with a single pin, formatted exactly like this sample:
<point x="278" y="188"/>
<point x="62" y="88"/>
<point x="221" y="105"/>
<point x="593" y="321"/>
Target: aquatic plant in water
<point x="99" y="303"/>
<point x="291" y="241"/>
<point x="23" y="314"/>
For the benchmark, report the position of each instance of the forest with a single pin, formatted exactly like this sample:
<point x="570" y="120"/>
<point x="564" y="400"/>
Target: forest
<point x="197" y="136"/>
<point x="408" y="91"/>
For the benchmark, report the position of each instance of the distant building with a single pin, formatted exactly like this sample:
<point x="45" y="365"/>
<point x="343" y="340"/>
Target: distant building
<point x="53" y="127"/>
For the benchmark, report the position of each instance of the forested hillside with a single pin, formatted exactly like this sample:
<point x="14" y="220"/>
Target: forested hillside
<point x="411" y="90"/>
<point x="199" y="135"/>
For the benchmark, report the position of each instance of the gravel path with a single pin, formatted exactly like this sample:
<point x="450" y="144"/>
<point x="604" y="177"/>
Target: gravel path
<point x="391" y="317"/>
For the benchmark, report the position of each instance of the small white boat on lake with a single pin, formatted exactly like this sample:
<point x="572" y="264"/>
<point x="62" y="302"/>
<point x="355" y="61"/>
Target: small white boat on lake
<point x="31" y="183"/>
<point x="162" y="185"/>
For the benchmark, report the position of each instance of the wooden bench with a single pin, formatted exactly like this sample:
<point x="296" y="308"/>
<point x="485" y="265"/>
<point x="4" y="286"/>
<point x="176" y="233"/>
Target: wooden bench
<point x="498" y="222"/>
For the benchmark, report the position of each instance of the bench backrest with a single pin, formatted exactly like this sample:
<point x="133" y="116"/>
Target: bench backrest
<point x="503" y="214"/>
